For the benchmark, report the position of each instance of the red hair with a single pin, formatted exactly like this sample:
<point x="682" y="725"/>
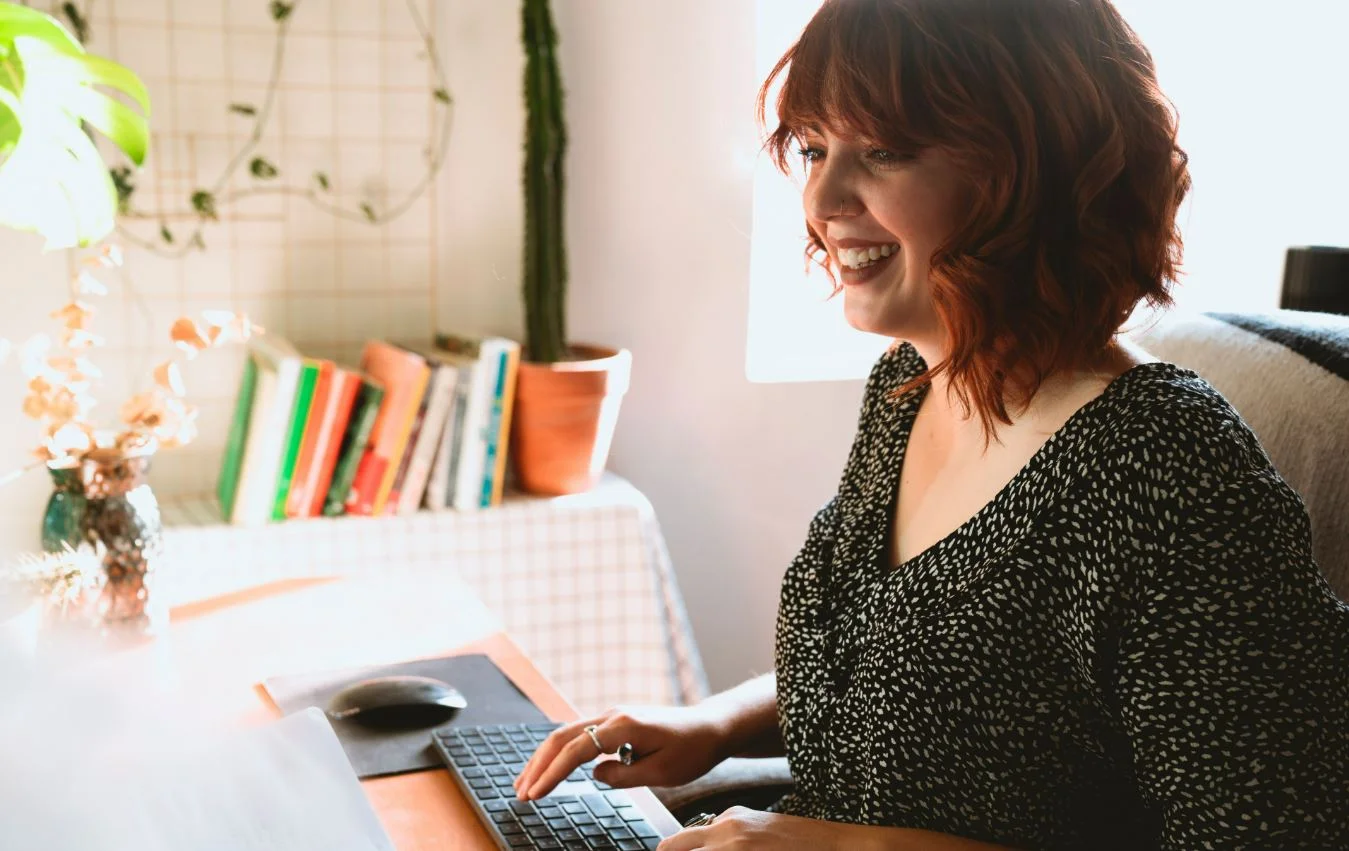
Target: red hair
<point x="1052" y="109"/>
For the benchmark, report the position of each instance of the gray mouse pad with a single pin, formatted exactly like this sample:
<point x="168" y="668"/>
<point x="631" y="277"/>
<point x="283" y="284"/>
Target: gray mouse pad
<point x="492" y="699"/>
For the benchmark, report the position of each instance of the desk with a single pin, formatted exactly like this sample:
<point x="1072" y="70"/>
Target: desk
<point x="217" y="651"/>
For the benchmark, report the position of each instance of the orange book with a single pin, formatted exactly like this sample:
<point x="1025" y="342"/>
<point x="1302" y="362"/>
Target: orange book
<point x="332" y="416"/>
<point x="404" y="376"/>
<point x="298" y="496"/>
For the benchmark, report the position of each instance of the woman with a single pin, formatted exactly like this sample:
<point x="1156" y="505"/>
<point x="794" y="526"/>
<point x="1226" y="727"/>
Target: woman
<point x="1061" y="599"/>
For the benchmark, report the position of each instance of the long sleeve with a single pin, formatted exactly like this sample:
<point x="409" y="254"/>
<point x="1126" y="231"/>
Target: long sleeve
<point x="1233" y="679"/>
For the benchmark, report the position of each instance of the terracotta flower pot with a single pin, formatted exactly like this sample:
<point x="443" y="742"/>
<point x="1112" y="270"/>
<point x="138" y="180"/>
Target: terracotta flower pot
<point x="564" y="418"/>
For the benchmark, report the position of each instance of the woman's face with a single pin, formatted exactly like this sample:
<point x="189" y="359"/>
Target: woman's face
<point x="860" y="196"/>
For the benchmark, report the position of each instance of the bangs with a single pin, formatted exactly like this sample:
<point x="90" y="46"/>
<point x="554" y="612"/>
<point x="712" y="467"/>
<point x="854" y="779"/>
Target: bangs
<point x="830" y="80"/>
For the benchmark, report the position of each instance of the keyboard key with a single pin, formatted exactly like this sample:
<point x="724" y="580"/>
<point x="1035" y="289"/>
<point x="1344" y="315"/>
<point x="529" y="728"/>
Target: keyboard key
<point x="522" y="808"/>
<point x="531" y="820"/>
<point x="503" y="816"/>
<point x="651" y="844"/>
<point x="642" y="830"/>
<point x="597" y="805"/>
<point x="574" y="807"/>
<point x="550" y="844"/>
<point x="583" y="818"/>
<point x="498" y="770"/>
<point x="559" y="823"/>
<point x="511" y="828"/>
<point x="610" y="823"/>
<point x="600" y="843"/>
<point x="629" y="845"/>
<point x="629" y="813"/>
<point x="521" y="841"/>
<point x="539" y="831"/>
<point x="618" y="798"/>
<point x="568" y="834"/>
<point x="590" y="830"/>
<point x="488" y="794"/>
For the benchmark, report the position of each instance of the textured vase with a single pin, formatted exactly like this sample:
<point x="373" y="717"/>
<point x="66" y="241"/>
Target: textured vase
<point x="121" y="515"/>
<point x="65" y="511"/>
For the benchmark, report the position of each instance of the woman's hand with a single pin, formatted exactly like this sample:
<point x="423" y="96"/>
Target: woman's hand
<point x="671" y="744"/>
<point x="741" y="829"/>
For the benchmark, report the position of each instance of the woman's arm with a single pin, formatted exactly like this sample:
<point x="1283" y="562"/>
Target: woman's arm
<point x="749" y="718"/>
<point x="1233" y="677"/>
<point x="750" y="830"/>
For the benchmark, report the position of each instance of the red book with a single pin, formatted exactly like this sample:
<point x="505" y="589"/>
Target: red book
<point x="333" y="418"/>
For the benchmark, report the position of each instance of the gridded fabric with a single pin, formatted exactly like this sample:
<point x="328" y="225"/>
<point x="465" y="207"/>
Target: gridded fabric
<point x="583" y="583"/>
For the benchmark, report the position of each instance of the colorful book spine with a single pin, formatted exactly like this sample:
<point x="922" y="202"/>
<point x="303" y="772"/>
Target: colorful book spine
<point x="341" y="399"/>
<point x="502" y="432"/>
<point x="355" y="444"/>
<point x="278" y="366"/>
<point x="440" y="398"/>
<point x="227" y="486"/>
<point x="473" y="440"/>
<point x="500" y="358"/>
<point x="297" y="499"/>
<point x="295" y="429"/>
<point x="440" y="492"/>
<point x="404" y="376"/>
<point x="392" y="502"/>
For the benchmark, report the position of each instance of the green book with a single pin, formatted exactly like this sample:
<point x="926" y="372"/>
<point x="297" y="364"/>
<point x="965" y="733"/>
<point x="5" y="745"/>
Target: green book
<point x="227" y="486"/>
<point x="299" y="418"/>
<point x="364" y="411"/>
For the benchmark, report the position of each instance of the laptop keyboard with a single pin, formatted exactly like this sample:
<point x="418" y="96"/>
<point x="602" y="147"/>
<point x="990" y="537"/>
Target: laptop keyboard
<point x="580" y="814"/>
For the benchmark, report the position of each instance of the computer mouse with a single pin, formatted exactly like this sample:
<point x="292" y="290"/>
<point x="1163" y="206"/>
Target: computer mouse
<point x="397" y="702"/>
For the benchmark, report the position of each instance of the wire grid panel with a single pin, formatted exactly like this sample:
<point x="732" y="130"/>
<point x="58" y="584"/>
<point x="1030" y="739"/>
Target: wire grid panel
<point x="355" y="104"/>
<point x="584" y="584"/>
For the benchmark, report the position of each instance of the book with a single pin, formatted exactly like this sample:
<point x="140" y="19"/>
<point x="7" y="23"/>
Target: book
<point x="278" y="374"/>
<point x="471" y="468"/>
<point x="504" y="408"/>
<point x="404" y="376"/>
<point x="396" y="491"/>
<point x="440" y="400"/>
<point x="295" y="431"/>
<point x="304" y="462"/>
<point x="231" y="465"/>
<point x="341" y="398"/>
<point x="440" y="489"/>
<point x="355" y="441"/>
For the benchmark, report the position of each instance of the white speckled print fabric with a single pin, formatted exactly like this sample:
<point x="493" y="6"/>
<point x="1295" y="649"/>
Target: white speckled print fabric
<point x="1131" y="646"/>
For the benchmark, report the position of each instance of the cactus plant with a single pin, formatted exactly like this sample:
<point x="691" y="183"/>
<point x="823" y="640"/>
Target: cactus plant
<point x="545" y="267"/>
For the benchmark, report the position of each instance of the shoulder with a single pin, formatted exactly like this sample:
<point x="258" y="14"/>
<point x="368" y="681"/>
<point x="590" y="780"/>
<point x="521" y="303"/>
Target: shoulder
<point x="897" y="365"/>
<point x="1167" y="429"/>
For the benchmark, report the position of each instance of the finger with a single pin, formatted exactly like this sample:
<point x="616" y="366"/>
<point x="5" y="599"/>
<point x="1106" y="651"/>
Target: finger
<point x="646" y="770"/>
<point x="688" y="839"/>
<point x="573" y="755"/>
<point x="549" y="749"/>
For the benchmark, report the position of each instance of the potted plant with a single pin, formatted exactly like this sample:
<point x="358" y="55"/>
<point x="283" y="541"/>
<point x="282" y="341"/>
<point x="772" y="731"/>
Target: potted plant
<point x="567" y="394"/>
<point x="53" y="180"/>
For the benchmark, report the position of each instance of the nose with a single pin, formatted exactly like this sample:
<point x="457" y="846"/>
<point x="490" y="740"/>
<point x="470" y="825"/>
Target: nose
<point x="829" y="196"/>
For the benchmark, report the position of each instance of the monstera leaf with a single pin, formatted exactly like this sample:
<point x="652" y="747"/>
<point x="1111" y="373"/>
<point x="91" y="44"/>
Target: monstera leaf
<point x="52" y="177"/>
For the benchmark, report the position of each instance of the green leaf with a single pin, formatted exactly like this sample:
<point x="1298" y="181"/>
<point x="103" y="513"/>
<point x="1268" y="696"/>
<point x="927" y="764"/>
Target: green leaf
<point x="263" y="169"/>
<point x="244" y="108"/>
<point x="369" y="211"/>
<point x="197" y="242"/>
<point x="281" y="11"/>
<point x="322" y="180"/>
<point x="204" y="203"/>
<point x="166" y="234"/>
<point x="77" y="21"/>
<point x="124" y="185"/>
<point x="442" y="96"/>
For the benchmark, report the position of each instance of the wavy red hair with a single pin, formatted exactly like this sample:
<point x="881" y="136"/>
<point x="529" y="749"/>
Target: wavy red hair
<point x="1052" y="108"/>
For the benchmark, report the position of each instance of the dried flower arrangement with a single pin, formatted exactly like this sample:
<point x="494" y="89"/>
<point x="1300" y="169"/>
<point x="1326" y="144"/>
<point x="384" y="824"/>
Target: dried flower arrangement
<point x="61" y="376"/>
<point x="64" y="581"/>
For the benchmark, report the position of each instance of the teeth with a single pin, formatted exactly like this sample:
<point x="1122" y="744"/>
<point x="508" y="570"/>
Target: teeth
<point x="860" y="258"/>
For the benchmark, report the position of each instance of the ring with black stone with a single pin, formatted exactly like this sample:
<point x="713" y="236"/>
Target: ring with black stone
<point x="626" y="754"/>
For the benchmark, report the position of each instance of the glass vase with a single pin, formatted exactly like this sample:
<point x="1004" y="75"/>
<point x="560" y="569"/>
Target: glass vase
<point x="65" y="510"/>
<point x="120" y="518"/>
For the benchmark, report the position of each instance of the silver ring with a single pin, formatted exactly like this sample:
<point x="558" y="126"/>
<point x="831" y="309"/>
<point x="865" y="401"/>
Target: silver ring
<point x="625" y="754"/>
<point x="590" y="731"/>
<point x="701" y="819"/>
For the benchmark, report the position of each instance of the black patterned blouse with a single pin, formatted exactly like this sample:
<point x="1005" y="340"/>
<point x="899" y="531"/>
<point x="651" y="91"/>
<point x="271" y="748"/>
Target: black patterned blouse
<point x="1129" y="647"/>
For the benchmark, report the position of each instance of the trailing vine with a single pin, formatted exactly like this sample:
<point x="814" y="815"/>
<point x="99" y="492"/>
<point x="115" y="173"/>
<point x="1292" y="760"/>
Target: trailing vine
<point x="206" y="203"/>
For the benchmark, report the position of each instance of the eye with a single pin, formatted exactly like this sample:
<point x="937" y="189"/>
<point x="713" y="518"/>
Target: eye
<point x="810" y="154"/>
<point x="883" y="156"/>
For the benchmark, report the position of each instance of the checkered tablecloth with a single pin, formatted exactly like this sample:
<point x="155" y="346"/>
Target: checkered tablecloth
<point x="583" y="583"/>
